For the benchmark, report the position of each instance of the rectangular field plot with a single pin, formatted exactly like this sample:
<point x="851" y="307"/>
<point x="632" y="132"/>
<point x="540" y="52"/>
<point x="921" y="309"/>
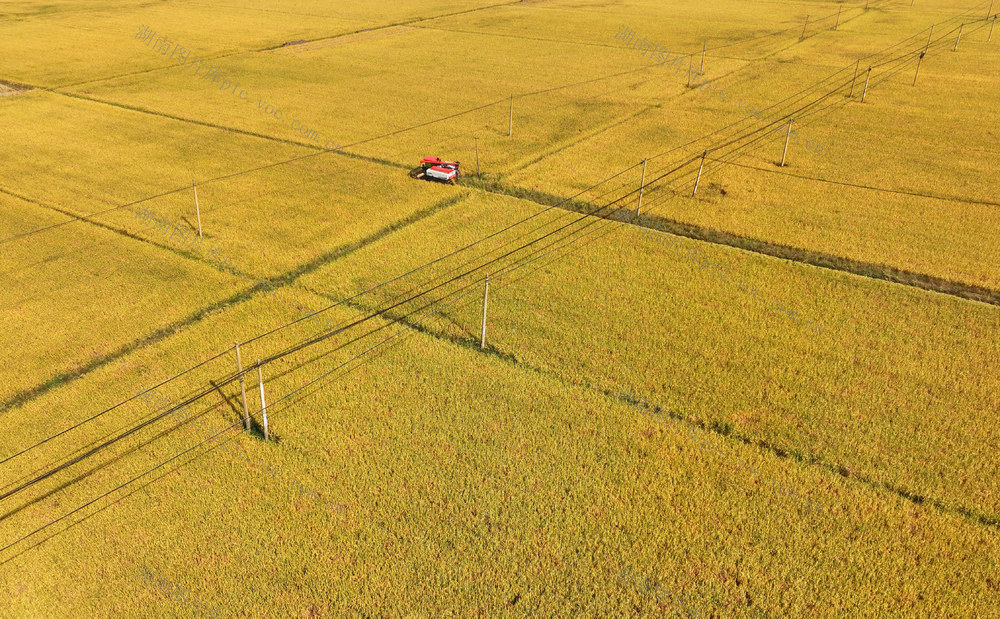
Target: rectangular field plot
<point x="723" y="347"/>
<point x="498" y="482"/>
<point x="848" y="195"/>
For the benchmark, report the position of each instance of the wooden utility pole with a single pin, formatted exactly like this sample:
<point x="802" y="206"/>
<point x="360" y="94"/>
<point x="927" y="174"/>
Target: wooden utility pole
<point x="698" y="178"/>
<point x="263" y="404"/>
<point x="690" y="67"/>
<point x="197" y="210"/>
<point x="927" y="46"/>
<point x="804" y="28"/>
<point x="486" y="296"/>
<point x="867" y="77"/>
<point x="840" y="7"/>
<point x="788" y="135"/>
<point x="243" y="389"/>
<point x="510" y="123"/>
<point x="990" y="38"/>
<point x="919" y="59"/>
<point x="856" y="67"/>
<point x="959" y="37"/>
<point x="990" y="11"/>
<point x="642" y="185"/>
<point x="704" y="47"/>
<point x="477" y="155"/>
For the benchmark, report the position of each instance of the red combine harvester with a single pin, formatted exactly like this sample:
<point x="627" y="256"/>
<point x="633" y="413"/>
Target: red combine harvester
<point x="435" y="168"/>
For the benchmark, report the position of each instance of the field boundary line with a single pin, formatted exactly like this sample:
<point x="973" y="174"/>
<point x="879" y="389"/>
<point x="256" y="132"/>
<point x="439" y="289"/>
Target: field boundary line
<point x="712" y="426"/>
<point x="870" y="270"/>
<point x="288" y="278"/>
<point x="725" y="432"/>
<point x="141" y="110"/>
<point x="318" y="150"/>
<point x="26" y="395"/>
<point x="660" y="223"/>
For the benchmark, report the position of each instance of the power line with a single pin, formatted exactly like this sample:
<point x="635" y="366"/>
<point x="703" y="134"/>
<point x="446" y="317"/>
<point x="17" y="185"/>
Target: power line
<point x="91" y="502"/>
<point x="230" y="378"/>
<point x="315" y="340"/>
<point x="509" y="227"/>
<point x="147" y="423"/>
<point x="358" y="143"/>
<point x="113" y="407"/>
<point x="385" y="310"/>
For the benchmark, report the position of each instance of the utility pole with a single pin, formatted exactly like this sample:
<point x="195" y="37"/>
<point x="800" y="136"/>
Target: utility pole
<point x="868" y="77"/>
<point x="704" y="47"/>
<point x="919" y="59"/>
<point x="929" y="39"/>
<point x="510" y="124"/>
<point x="197" y="210"/>
<point x="642" y="185"/>
<point x="959" y="37"/>
<point x="840" y="7"/>
<point x="804" y="28"/>
<point x="486" y="296"/>
<point x="698" y="179"/>
<point x="856" y="67"/>
<point x="788" y="134"/>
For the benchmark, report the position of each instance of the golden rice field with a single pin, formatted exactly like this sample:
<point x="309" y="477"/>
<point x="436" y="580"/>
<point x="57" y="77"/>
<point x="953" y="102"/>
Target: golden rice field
<point x="709" y="385"/>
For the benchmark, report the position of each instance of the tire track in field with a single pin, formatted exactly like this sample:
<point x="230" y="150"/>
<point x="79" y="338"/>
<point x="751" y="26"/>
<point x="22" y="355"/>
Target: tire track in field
<point x="612" y="46"/>
<point x="764" y="55"/>
<point x="194" y="121"/>
<point x="267" y="286"/>
<point x="687" y="90"/>
<point x="539" y="158"/>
